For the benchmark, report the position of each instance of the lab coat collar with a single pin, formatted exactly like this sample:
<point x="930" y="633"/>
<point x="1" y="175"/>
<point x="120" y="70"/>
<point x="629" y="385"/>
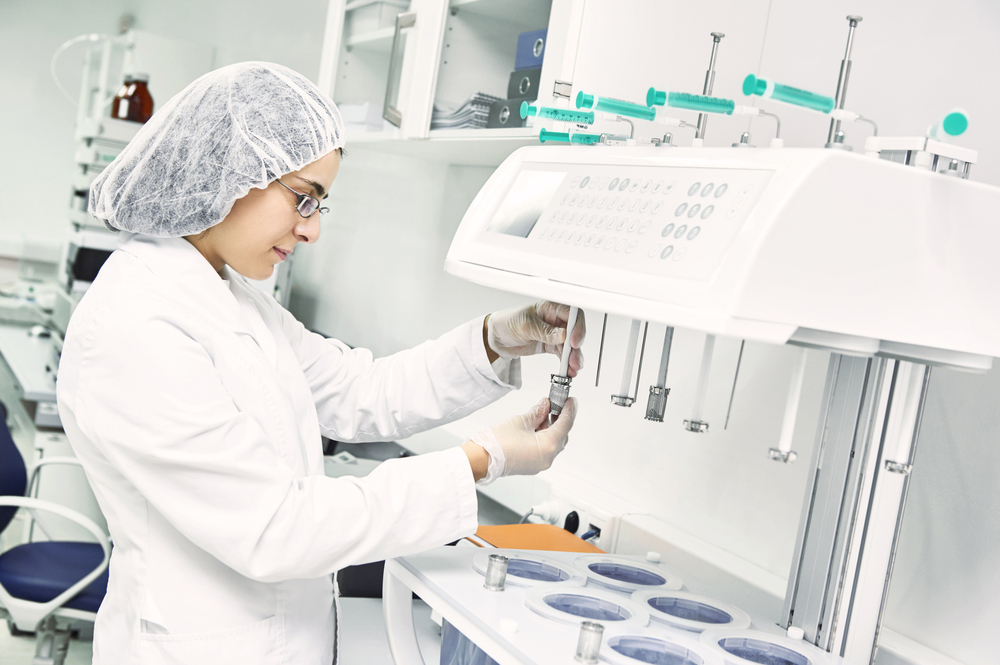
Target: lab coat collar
<point x="178" y="262"/>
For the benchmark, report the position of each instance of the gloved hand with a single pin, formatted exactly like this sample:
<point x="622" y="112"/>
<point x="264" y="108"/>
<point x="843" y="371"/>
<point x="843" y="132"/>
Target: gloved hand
<point x="524" y="444"/>
<point x="538" y="328"/>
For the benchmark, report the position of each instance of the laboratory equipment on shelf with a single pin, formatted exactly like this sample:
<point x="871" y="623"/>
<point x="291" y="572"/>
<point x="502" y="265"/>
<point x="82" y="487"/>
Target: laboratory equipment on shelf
<point x="560" y="383"/>
<point x="809" y="247"/>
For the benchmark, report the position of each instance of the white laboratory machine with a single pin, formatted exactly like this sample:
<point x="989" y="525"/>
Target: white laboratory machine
<point x="886" y="263"/>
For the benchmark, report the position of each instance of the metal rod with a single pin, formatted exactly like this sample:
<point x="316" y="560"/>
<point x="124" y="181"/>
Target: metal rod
<point x="709" y="83"/>
<point x="732" y="394"/>
<point x="600" y="354"/>
<point x="845" y="75"/>
<point x="642" y="352"/>
<point x="661" y="375"/>
<point x="633" y="341"/>
<point x="792" y="404"/>
<point x="696" y="424"/>
<point x="567" y="347"/>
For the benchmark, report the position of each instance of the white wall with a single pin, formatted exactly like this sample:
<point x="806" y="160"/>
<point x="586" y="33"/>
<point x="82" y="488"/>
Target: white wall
<point x="376" y="279"/>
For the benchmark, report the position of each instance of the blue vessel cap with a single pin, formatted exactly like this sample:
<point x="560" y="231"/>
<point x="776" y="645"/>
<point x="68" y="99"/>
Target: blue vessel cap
<point x="753" y="85"/>
<point x="584" y="101"/>
<point x="656" y="97"/>
<point x="955" y="123"/>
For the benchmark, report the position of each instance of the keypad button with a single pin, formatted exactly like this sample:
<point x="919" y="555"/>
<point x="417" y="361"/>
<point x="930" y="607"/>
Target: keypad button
<point x="562" y="217"/>
<point x="632" y="207"/>
<point x="680" y="253"/>
<point x="707" y="212"/>
<point x="571" y="218"/>
<point x="554" y="217"/>
<point x="629" y="248"/>
<point x="656" y="207"/>
<point x="634" y="187"/>
<point x="623" y="204"/>
<point x="599" y="242"/>
<point x="669" y="187"/>
<point x="681" y="209"/>
<point x="657" y="187"/>
<point x="593" y="184"/>
<point x="707" y="189"/>
<point x="694" y="189"/>
<point x="622" y="224"/>
<point x="720" y="191"/>
<point x="584" y="182"/>
<point x="573" y="199"/>
<point x="581" y="219"/>
<point x="579" y="239"/>
<point x="602" y="201"/>
<point x="654" y="250"/>
<point x="645" y="186"/>
<point x="591" y="220"/>
<point x="609" y="244"/>
<point x="681" y="230"/>
<point x="592" y="201"/>
<point x="644" y="226"/>
<point x="583" y="201"/>
<point x="621" y="244"/>
<point x="693" y="233"/>
<point x="569" y="238"/>
<point x="600" y="221"/>
<point x="625" y="183"/>
<point x="589" y="241"/>
<point x="565" y="199"/>
<point x="667" y="230"/>
<point x="603" y="184"/>
<point x="561" y="236"/>
<point x="667" y="251"/>
<point x="613" y="185"/>
<point x="693" y="212"/>
<point x="613" y="203"/>
<point x="633" y="225"/>
<point x="576" y="181"/>
<point x="645" y="206"/>
<point x="612" y="223"/>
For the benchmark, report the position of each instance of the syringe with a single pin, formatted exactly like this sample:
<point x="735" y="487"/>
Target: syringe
<point x="705" y="104"/>
<point x="559" y="390"/>
<point x="753" y="85"/>
<point x="628" y="109"/>
<point x="569" y="137"/>
<point x="563" y="115"/>
<point x="953" y="124"/>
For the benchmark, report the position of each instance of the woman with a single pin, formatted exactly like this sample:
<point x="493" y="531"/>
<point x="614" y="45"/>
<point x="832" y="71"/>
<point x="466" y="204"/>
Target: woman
<point x="196" y="404"/>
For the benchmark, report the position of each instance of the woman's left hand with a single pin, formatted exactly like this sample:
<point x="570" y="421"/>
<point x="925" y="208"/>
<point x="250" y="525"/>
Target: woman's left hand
<point x="538" y="328"/>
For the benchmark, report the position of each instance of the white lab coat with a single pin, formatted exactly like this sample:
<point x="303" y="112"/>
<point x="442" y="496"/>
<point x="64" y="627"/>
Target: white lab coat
<point x="196" y="406"/>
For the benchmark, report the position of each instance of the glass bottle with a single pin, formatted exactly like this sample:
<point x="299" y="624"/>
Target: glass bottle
<point x="133" y="101"/>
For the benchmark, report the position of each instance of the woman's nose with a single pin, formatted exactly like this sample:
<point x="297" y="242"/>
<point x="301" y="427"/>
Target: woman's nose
<point x="307" y="230"/>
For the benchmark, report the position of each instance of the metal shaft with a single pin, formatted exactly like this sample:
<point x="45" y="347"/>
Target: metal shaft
<point x="845" y="75"/>
<point x="600" y="353"/>
<point x="709" y="83"/>
<point x="661" y="375"/>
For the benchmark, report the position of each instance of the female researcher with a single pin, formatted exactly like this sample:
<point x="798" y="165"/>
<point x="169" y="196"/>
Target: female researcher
<point x="196" y="404"/>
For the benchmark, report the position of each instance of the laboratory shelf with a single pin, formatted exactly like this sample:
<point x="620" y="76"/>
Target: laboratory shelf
<point x="461" y="147"/>
<point x="376" y="39"/>
<point x="528" y="13"/>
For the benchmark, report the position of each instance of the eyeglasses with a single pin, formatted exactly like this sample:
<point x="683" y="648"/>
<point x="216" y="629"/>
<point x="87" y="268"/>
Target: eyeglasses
<point x="305" y="205"/>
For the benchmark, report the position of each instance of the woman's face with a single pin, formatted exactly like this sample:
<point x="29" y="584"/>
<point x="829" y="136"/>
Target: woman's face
<point x="264" y="227"/>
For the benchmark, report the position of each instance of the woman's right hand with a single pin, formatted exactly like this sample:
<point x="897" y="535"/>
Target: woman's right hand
<point x="525" y="444"/>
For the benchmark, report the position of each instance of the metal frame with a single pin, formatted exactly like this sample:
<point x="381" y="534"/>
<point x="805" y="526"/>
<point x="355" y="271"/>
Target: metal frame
<point x="854" y="503"/>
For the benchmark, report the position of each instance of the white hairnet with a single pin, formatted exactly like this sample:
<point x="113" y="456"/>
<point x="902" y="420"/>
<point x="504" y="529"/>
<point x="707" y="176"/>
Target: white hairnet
<point x="233" y="129"/>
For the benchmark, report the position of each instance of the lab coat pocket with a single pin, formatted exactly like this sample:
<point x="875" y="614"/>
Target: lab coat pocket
<point x="256" y="643"/>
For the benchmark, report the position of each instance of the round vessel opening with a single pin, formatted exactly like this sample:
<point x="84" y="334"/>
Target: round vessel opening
<point x="621" y="572"/>
<point x="652" y="650"/>
<point x="763" y="652"/>
<point x="587" y="607"/>
<point x="536" y="571"/>
<point x="690" y="610"/>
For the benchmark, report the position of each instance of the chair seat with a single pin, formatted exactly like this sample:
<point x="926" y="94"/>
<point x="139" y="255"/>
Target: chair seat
<point x="41" y="571"/>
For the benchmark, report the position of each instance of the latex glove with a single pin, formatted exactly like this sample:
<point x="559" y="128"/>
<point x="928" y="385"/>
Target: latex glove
<point x="525" y="444"/>
<point x="538" y="328"/>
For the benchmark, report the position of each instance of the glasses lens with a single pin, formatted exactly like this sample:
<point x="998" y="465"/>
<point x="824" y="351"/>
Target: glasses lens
<point x="308" y="206"/>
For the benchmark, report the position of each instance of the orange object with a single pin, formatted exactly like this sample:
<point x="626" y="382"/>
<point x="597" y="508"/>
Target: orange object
<point x="542" y="537"/>
<point x="133" y="101"/>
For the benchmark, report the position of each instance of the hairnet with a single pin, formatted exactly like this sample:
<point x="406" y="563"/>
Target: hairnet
<point x="233" y="129"/>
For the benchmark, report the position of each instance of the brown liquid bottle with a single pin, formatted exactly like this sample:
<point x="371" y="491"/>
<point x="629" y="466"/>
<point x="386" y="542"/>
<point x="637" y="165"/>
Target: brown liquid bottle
<point x="133" y="101"/>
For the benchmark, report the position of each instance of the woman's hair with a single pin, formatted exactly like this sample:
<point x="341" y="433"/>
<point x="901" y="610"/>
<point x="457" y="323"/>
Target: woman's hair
<point x="234" y="129"/>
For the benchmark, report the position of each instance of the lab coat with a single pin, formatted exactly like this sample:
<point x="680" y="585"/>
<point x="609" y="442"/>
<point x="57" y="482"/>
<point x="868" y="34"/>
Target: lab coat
<point x="196" y="405"/>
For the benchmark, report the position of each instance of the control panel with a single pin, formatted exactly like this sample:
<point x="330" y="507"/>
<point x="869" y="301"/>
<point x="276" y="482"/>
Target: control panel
<point x="669" y="221"/>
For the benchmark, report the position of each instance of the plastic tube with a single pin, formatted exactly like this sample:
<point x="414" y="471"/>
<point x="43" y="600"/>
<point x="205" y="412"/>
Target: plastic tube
<point x="569" y="137"/>
<point x="617" y="106"/>
<point x="661" y="375"/>
<point x="574" y="312"/>
<point x="696" y="424"/>
<point x="563" y="115"/>
<point x="683" y="100"/>
<point x="633" y="342"/>
<point x="792" y="403"/>
<point x="785" y="93"/>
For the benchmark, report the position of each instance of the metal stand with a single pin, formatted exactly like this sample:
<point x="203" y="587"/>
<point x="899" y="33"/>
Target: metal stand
<point x="51" y="643"/>
<point x="854" y="503"/>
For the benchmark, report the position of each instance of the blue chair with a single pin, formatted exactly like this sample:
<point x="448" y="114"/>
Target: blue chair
<point x="46" y="585"/>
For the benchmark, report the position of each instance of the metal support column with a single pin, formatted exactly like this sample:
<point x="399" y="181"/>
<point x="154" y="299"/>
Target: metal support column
<point x="854" y="503"/>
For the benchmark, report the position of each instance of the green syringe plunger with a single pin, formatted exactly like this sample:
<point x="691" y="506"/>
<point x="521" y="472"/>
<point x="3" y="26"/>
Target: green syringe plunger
<point x="953" y="124"/>
<point x="616" y="106"/>
<point x="564" y="115"/>
<point x="753" y="85"/>
<point x="569" y="137"/>
<point x="682" y="100"/>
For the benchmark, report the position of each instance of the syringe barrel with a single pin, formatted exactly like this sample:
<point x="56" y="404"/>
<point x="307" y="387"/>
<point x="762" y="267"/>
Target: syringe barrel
<point x="585" y="139"/>
<point x="569" y="137"/>
<point x="786" y="93"/>
<point x="700" y="103"/>
<point x="617" y="106"/>
<point x="563" y="115"/>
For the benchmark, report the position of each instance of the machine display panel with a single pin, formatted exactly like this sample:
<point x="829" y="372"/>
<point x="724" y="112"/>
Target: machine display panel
<point x="673" y="221"/>
<point x="525" y="202"/>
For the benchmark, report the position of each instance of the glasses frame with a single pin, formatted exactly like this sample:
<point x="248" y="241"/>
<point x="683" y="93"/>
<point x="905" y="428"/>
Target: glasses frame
<point x="301" y="198"/>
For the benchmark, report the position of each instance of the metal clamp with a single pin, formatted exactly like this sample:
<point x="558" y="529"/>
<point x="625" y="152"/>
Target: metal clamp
<point x="898" y="467"/>
<point x="696" y="426"/>
<point x="782" y="456"/>
<point x="622" y="400"/>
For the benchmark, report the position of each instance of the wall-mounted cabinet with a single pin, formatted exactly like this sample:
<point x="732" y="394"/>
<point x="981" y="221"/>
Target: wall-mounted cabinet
<point x="445" y="79"/>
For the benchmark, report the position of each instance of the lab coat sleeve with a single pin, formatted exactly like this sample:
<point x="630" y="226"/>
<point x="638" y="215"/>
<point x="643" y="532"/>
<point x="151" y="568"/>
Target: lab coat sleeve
<point x="167" y="424"/>
<point x="359" y="398"/>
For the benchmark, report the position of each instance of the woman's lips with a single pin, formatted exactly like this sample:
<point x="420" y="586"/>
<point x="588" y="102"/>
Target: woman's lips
<point x="282" y="254"/>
